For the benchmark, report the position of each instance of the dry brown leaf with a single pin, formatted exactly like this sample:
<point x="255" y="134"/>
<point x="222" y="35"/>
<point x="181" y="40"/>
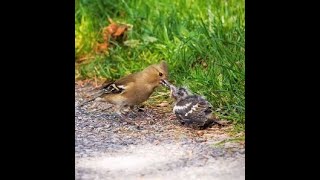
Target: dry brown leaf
<point x="120" y="30"/>
<point x="115" y="32"/>
<point x="101" y="47"/>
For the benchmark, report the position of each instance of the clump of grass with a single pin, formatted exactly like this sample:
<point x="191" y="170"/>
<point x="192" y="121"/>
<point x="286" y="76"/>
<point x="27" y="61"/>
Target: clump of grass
<point x="202" y="41"/>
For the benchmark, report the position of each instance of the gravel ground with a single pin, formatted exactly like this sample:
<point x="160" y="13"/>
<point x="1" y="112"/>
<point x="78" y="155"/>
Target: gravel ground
<point x="152" y="145"/>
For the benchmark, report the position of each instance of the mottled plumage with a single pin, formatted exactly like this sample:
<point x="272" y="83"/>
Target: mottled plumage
<point x="191" y="109"/>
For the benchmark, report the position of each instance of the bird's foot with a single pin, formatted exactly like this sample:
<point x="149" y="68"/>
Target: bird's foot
<point x="131" y="115"/>
<point x="118" y="116"/>
<point x="140" y="109"/>
<point x="137" y="109"/>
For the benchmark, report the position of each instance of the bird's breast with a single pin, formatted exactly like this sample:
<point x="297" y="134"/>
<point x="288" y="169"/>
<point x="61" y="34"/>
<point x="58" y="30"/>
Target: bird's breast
<point x="139" y="95"/>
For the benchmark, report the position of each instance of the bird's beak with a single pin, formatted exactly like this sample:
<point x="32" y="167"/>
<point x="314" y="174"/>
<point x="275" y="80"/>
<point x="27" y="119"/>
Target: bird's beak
<point x="173" y="89"/>
<point x="173" y="92"/>
<point x="165" y="83"/>
<point x="169" y="85"/>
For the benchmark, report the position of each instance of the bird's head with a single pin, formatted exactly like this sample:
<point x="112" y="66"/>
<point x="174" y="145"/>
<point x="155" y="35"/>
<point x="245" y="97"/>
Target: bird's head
<point x="158" y="72"/>
<point x="178" y="93"/>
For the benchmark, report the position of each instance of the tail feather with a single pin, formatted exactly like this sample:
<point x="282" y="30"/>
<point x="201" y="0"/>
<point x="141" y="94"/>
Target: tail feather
<point x="100" y="93"/>
<point x="212" y="121"/>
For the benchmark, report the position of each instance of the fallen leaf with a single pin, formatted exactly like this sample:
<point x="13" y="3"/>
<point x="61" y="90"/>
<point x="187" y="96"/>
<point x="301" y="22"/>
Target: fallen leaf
<point x="109" y="30"/>
<point x="101" y="47"/>
<point x="115" y="32"/>
<point x="120" y="30"/>
<point x="200" y="133"/>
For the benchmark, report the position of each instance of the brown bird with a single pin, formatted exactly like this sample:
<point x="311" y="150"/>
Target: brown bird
<point x="191" y="109"/>
<point x="133" y="89"/>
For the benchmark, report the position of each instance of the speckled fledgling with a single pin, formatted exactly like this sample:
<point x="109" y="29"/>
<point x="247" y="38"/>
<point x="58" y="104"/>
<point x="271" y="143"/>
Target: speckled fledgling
<point x="191" y="109"/>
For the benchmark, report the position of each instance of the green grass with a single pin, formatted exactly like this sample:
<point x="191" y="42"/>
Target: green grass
<point x="222" y="143"/>
<point x="203" y="42"/>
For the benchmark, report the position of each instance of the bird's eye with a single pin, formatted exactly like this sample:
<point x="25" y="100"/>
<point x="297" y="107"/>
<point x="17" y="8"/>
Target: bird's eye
<point x="160" y="74"/>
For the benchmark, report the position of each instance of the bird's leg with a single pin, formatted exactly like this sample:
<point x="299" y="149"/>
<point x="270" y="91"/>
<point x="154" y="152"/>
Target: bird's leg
<point x="124" y="112"/>
<point x="137" y="109"/>
<point x="118" y="112"/>
<point x="130" y="113"/>
<point x="141" y="108"/>
<point x="133" y="110"/>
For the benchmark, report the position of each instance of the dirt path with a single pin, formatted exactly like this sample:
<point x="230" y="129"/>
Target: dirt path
<point x="150" y="147"/>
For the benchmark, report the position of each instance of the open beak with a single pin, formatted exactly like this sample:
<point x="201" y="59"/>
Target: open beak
<point x="165" y="83"/>
<point x="173" y="89"/>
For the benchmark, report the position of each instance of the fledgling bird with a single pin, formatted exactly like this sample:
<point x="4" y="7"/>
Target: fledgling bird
<point x="133" y="89"/>
<point x="191" y="109"/>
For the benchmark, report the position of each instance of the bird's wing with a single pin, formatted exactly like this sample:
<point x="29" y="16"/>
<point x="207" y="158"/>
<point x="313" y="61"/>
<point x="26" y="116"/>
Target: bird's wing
<point x="204" y="105"/>
<point x="119" y="86"/>
<point x="193" y="108"/>
<point x="113" y="87"/>
<point x="124" y="81"/>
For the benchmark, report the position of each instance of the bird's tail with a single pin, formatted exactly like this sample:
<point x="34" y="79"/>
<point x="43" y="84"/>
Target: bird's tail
<point x="100" y="91"/>
<point x="95" y="96"/>
<point x="212" y="121"/>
